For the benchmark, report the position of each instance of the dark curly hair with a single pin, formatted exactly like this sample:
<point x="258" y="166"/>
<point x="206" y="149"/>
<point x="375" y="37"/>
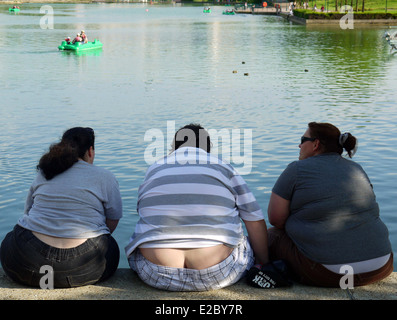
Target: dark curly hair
<point x="62" y="155"/>
<point x="192" y="135"/>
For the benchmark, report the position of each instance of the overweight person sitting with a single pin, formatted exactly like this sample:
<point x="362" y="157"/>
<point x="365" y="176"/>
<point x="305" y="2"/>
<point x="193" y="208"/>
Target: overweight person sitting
<point x="325" y="215"/>
<point x="189" y="236"/>
<point x="71" y="210"/>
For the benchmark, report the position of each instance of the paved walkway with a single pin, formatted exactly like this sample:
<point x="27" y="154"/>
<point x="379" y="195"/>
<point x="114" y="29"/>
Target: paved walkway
<point x="125" y="285"/>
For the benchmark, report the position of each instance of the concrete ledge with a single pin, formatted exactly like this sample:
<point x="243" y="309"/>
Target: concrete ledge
<point x="125" y="285"/>
<point x="294" y="19"/>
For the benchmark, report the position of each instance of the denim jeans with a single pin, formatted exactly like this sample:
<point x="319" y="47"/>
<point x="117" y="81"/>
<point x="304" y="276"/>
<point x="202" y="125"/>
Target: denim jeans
<point x="22" y="255"/>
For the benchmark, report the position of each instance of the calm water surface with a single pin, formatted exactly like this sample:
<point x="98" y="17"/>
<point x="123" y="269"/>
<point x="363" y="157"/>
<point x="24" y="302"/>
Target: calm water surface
<point x="163" y="67"/>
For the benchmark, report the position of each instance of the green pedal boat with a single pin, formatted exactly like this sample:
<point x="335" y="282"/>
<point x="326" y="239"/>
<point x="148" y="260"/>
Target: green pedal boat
<point x="229" y="12"/>
<point x="80" y="46"/>
<point x="14" y="9"/>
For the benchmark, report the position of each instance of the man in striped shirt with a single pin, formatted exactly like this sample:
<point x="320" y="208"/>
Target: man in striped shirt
<point x="189" y="236"/>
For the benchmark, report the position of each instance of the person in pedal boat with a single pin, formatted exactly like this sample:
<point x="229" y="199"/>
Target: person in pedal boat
<point x="83" y="36"/>
<point x="77" y="39"/>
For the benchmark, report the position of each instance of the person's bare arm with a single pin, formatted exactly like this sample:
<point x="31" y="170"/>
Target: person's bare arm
<point x="278" y="211"/>
<point x="257" y="234"/>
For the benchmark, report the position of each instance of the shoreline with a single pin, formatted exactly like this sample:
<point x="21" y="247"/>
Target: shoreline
<point x="316" y="22"/>
<point x="17" y="2"/>
<point x="336" y="22"/>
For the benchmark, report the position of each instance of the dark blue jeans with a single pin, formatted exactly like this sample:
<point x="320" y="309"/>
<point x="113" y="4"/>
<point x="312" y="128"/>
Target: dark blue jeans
<point x="22" y="255"/>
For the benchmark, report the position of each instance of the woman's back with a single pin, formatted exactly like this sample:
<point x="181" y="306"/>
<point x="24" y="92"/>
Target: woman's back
<point x="333" y="210"/>
<point x="73" y="204"/>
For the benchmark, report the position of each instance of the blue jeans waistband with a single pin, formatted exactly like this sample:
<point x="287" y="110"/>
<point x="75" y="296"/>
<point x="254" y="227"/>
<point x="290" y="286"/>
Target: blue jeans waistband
<point x="58" y="254"/>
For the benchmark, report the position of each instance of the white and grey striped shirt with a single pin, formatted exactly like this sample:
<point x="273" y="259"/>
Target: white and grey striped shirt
<point x="190" y="199"/>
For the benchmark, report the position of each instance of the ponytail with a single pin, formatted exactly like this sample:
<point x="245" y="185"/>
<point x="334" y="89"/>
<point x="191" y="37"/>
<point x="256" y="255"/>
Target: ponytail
<point x="349" y="143"/>
<point x="60" y="157"/>
<point x="63" y="155"/>
<point x="332" y="140"/>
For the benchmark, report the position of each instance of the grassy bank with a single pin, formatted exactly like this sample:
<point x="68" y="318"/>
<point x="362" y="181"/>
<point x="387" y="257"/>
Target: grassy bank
<point x="357" y="5"/>
<point x="368" y="15"/>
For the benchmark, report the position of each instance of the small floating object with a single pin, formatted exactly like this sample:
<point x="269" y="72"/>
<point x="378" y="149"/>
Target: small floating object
<point x="234" y="71"/>
<point x="80" y="46"/>
<point x="228" y="12"/>
<point x="243" y="62"/>
<point x="306" y="70"/>
<point x="391" y="40"/>
<point x="246" y="74"/>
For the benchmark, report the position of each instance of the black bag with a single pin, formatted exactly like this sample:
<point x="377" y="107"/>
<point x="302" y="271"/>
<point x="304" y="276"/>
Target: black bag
<point x="271" y="275"/>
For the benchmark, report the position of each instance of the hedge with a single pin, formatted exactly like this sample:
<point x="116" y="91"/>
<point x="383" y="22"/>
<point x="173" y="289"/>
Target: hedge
<point x="310" y="14"/>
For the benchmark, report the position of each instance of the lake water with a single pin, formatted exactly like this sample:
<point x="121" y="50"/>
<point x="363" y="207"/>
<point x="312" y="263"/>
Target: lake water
<point x="164" y="66"/>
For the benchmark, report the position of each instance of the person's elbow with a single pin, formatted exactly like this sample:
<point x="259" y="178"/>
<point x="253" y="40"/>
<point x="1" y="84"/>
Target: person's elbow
<point x="278" y="211"/>
<point x="275" y="220"/>
<point x="112" y="224"/>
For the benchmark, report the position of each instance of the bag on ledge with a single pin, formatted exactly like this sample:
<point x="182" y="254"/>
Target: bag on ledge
<point x="271" y="275"/>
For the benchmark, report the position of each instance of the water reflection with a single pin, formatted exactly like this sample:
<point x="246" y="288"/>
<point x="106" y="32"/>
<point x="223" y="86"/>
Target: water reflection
<point x="94" y="52"/>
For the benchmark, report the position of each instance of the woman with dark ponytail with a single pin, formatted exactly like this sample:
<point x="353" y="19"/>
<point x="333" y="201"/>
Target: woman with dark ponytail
<point x="71" y="210"/>
<point x="61" y="156"/>
<point x="325" y="215"/>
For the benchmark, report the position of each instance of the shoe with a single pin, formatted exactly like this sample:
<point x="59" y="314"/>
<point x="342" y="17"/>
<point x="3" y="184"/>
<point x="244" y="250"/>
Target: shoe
<point x="270" y="275"/>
